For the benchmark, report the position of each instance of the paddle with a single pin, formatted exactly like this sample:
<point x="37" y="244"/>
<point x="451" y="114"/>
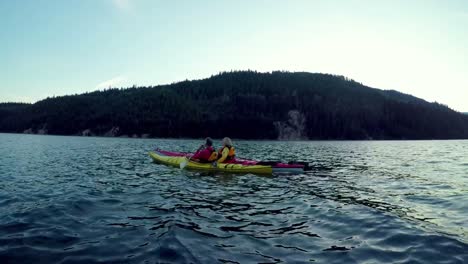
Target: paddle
<point x="184" y="163"/>
<point x="306" y="165"/>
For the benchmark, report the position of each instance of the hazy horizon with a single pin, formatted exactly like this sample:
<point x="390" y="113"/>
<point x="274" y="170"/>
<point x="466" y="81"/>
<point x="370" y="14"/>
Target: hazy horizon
<point x="55" y="48"/>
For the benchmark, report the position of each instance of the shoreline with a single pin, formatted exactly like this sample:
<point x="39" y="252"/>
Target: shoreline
<point x="240" y="139"/>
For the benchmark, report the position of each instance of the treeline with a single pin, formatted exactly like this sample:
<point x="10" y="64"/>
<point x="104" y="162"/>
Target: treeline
<point x="243" y="104"/>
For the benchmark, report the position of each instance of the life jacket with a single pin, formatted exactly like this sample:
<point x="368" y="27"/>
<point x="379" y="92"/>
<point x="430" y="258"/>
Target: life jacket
<point x="206" y="154"/>
<point x="231" y="154"/>
<point x="214" y="154"/>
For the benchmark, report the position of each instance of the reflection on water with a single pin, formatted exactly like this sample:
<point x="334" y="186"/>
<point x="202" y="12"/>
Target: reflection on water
<point x="71" y="199"/>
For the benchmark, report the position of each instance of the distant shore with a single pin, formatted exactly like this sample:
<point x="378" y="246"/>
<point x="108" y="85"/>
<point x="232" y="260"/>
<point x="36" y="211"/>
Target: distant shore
<point x="245" y="104"/>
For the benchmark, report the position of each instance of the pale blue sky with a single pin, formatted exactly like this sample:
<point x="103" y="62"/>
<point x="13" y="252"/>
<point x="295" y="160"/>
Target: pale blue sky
<point x="57" y="47"/>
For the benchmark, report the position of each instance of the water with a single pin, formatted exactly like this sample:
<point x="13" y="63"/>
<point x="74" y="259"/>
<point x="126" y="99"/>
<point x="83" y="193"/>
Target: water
<point x="91" y="200"/>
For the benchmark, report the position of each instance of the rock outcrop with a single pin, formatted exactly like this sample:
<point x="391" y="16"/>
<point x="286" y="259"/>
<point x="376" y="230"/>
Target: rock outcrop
<point x="86" y="133"/>
<point x="28" y="131"/>
<point x="293" y="128"/>
<point x="113" y="132"/>
<point x="43" y="130"/>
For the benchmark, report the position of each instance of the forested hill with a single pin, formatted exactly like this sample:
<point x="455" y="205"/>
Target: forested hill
<point x="246" y="104"/>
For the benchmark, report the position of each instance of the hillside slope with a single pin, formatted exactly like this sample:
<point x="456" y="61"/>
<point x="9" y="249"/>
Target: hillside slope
<point x="242" y="104"/>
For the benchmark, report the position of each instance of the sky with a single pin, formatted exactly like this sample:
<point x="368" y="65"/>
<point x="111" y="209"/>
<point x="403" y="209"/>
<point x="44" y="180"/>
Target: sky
<point x="56" y="47"/>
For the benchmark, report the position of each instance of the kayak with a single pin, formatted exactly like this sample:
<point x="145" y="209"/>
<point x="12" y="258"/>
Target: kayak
<point x="238" y="166"/>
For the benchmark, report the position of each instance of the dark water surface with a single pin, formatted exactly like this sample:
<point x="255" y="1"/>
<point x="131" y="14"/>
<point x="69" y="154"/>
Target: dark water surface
<point x="90" y="200"/>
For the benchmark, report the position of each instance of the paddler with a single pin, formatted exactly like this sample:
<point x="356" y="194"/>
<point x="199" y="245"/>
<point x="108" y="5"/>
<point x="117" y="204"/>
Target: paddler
<point x="205" y="153"/>
<point x="227" y="153"/>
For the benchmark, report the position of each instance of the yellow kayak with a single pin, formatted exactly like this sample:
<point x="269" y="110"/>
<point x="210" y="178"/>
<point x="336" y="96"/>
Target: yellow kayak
<point x="175" y="161"/>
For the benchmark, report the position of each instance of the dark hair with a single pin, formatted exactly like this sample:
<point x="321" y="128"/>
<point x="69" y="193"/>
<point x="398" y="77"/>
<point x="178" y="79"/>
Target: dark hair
<point x="209" y="141"/>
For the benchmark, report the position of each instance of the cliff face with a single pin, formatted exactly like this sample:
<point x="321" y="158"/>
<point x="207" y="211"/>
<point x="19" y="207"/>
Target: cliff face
<point x="292" y="129"/>
<point x="277" y="105"/>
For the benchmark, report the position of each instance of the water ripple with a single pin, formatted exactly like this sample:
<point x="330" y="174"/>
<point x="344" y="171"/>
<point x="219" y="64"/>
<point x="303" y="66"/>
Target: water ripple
<point x="101" y="200"/>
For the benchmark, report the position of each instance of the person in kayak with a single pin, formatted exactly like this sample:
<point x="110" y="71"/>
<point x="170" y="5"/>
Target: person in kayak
<point x="205" y="153"/>
<point x="227" y="153"/>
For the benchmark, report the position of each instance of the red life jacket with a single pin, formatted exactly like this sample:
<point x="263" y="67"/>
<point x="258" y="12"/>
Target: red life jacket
<point x="207" y="154"/>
